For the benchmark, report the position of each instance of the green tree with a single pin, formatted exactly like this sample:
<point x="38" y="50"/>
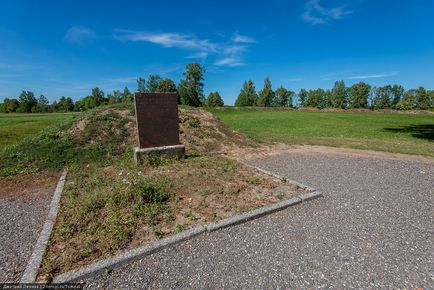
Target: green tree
<point x="10" y="105"/>
<point x="42" y="105"/>
<point x="339" y="95"/>
<point x="65" y="104"/>
<point x="382" y="99"/>
<point x="152" y="83"/>
<point x="423" y="99"/>
<point x="191" y="87"/>
<point x="141" y="85"/>
<point x="214" y="100"/>
<point x="397" y="94"/>
<point x="247" y="95"/>
<point x="316" y="98"/>
<point x="302" y="98"/>
<point x="166" y="86"/>
<point x="266" y="95"/>
<point x="283" y="97"/>
<point x="27" y="102"/>
<point x="359" y="94"/>
<point x="329" y="101"/>
<point x="127" y="96"/>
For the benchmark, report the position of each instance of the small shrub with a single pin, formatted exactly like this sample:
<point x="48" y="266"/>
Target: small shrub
<point x="193" y="122"/>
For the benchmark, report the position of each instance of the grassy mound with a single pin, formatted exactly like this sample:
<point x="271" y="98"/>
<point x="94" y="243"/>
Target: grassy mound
<point x="111" y="204"/>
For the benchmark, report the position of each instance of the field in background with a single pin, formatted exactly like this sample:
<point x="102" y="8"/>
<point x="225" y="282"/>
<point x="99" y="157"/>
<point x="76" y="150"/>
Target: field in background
<point x="15" y="127"/>
<point x="392" y="132"/>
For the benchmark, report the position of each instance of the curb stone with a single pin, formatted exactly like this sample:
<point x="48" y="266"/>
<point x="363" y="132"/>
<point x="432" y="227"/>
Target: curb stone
<point x="143" y="251"/>
<point x="31" y="271"/>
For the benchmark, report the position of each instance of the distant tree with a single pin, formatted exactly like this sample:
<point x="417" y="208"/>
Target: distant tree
<point x="423" y="99"/>
<point x="266" y="95"/>
<point x="283" y="97"/>
<point x="27" y="102"/>
<point x="315" y="98"/>
<point x="214" y="100"/>
<point x="10" y="105"/>
<point x="302" y="98"/>
<point x="329" y="101"/>
<point x="247" y="95"/>
<point x="410" y="99"/>
<point x="166" y="86"/>
<point x="382" y="98"/>
<point x="127" y="96"/>
<point x="141" y="85"/>
<point x="42" y="105"/>
<point x="397" y="94"/>
<point x="65" y="104"/>
<point x="79" y="106"/>
<point x="191" y="86"/>
<point x="359" y="94"/>
<point x="339" y="95"/>
<point x="152" y="83"/>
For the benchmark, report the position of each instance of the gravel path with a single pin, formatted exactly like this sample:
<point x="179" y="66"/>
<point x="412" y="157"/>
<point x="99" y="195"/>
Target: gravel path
<point x="373" y="229"/>
<point x="21" y="221"/>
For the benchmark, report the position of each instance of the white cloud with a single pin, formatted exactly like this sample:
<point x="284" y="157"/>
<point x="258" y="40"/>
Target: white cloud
<point x="314" y="13"/>
<point x="79" y="34"/>
<point x="166" y="39"/>
<point x="230" y="53"/>
<point x="238" y="38"/>
<point x="373" y="76"/>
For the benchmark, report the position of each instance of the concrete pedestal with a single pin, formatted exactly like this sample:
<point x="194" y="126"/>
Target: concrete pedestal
<point x="177" y="151"/>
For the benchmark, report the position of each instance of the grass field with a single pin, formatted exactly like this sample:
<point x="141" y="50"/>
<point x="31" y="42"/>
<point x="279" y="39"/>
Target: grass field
<point x="392" y="132"/>
<point x="15" y="127"/>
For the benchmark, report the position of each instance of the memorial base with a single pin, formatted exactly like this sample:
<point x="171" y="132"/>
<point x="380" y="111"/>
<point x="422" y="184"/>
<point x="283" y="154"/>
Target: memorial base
<point x="176" y="151"/>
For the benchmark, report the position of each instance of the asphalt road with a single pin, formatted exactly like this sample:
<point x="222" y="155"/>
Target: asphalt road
<point x="373" y="229"/>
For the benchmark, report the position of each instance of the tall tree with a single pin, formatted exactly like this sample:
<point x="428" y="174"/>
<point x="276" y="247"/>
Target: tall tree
<point x="166" y="86"/>
<point x="397" y="94"/>
<point x="191" y="86"/>
<point x="266" y="95"/>
<point x="247" y="95"/>
<point x="359" y="94"/>
<point x="283" y="97"/>
<point x="152" y="83"/>
<point x="340" y="95"/>
<point x="141" y="85"/>
<point x="127" y="96"/>
<point x="423" y="101"/>
<point x="302" y="98"/>
<point x="27" y="102"/>
<point x="382" y="98"/>
<point x="214" y="100"/>
<point x="316" y="98"/>
<point x="65" y="104"/>
<point x="42" y="105"/>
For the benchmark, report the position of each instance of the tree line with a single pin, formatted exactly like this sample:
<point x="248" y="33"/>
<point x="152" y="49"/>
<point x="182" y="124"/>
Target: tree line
<point x="359" y="95"/>
<point x="189" y="89"/>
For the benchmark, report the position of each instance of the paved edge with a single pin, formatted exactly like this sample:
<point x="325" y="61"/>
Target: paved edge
<point x="31" y="271"/>
<point x="301" y="185"/>
<point x="110" y="263"/>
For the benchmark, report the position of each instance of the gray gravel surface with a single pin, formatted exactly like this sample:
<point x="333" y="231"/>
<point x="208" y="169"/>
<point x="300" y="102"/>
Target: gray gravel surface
<point x="21" y="221"/>
<point x="373" y="229"/>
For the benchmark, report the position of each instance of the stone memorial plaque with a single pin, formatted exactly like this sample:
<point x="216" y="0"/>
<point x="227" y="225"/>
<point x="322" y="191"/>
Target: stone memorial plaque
<point x="157" y="119"/>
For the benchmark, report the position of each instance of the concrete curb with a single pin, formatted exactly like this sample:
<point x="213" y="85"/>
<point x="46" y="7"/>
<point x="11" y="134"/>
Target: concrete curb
<point x="277" y="176"/>
<point x="31" y="271"/>
<point x="123" y="258"/>
<point x="143" y="251"/>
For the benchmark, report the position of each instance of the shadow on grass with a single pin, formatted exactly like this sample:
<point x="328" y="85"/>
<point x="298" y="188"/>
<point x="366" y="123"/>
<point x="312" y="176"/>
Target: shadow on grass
<point x="422" y="131"/>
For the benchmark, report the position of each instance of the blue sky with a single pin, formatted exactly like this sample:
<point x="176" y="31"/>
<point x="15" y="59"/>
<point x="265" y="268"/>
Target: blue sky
<point x="64" y="48"/>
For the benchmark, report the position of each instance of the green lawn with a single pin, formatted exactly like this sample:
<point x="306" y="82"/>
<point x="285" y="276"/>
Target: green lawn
<point x="402" y="133"/>
<point x="15" y="127"/>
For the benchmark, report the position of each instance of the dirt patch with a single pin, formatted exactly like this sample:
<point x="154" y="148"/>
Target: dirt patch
<point x="29" y="185"/>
